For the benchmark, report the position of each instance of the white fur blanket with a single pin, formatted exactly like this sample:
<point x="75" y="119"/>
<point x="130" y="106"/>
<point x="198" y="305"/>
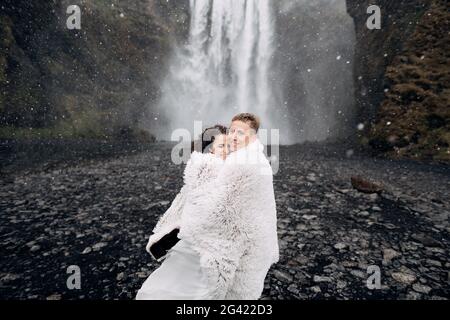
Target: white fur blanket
<point x="227" y="210"/>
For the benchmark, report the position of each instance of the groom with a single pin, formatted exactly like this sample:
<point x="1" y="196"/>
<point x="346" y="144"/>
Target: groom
<point x="243" y="131"/>
<point x="254" y="197"/>
<point x="242" y="135"/>
<point x="231" y="220"/>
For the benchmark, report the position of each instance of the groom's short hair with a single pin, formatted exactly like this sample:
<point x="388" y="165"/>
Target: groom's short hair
<point x="249" y="118"/>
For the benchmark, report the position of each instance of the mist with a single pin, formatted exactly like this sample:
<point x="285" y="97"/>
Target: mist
<point x="289" y="62"/>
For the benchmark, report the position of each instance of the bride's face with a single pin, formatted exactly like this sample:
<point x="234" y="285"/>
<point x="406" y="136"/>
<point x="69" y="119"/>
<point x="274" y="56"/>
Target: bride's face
<point x="220" y="146"/>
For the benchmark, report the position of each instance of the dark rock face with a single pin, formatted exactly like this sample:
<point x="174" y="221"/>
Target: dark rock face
<point x="402" y="78"/>
<point x="99" y="79"/>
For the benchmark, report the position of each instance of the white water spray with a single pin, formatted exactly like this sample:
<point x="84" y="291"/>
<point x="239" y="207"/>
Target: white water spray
<point x="222" y="70"/>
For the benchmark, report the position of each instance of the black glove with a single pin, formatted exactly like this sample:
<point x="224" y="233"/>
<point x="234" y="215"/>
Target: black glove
<point x="160" y="248"/>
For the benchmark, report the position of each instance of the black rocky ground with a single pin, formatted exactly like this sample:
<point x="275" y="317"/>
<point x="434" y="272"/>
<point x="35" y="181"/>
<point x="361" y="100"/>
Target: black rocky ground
<point x="97" y="214"/>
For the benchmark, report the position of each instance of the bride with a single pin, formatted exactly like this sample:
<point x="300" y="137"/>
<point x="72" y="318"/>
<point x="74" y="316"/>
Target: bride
<point x="180" y="275"/>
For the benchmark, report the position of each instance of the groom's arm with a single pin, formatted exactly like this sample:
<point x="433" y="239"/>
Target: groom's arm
<point x="169" y="220"/>
<point x="229" y="198"/>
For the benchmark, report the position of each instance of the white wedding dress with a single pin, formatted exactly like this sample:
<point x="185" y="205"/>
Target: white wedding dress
<point x="180" y="277"/>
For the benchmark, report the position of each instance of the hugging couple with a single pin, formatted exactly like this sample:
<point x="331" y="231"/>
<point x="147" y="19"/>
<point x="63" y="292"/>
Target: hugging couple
<point x="218" y="238"/>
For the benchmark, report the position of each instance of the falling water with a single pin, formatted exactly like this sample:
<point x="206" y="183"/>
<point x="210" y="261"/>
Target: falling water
<point x="223" y="69"/>
<point x="288" y="61"/>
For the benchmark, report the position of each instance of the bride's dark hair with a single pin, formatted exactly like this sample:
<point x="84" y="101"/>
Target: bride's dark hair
<point x="207" y="138"/>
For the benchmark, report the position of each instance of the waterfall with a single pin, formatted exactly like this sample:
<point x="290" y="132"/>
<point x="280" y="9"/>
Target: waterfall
<point x="222" y="70"/>
<point x="288" y="61"/>
<point x="314" y="68"/>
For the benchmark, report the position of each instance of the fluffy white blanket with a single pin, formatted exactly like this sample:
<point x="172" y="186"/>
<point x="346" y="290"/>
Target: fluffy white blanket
<point x="227" y="211"/>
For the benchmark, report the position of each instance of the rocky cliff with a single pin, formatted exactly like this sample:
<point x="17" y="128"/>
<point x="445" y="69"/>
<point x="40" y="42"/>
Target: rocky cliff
<point x="402" y="78"/>
<point x="96" y="81"/>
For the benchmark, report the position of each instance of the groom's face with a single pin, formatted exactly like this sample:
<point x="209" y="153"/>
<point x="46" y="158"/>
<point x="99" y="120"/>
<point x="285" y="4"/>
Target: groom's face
<point x="240" y="135"/>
